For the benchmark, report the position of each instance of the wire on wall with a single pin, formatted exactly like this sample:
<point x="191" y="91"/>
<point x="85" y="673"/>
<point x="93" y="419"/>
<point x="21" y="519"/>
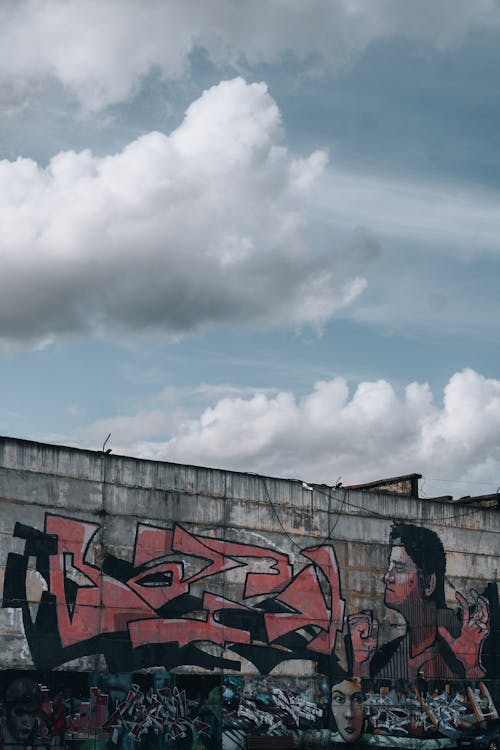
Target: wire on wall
<point x="456" y="515"/>
<point x="315" y="489"/>
<point x="291" y="540"/>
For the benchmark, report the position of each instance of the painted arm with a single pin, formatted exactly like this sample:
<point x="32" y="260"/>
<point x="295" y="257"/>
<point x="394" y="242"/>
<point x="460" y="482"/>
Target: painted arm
<point x="467" y="646"/>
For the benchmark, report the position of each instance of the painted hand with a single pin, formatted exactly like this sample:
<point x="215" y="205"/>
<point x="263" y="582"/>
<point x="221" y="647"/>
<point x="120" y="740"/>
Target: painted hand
<point x="475" y="628"/>
<point x="363" y="629"/>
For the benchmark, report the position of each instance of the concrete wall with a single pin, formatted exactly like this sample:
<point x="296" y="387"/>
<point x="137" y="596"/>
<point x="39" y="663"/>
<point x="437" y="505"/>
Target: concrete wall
<point x="234" y="603"/>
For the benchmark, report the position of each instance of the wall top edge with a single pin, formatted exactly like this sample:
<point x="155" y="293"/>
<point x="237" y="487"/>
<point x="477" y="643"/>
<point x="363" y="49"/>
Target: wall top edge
<point x="80" y="463"/>
<point x="24" y="443"/>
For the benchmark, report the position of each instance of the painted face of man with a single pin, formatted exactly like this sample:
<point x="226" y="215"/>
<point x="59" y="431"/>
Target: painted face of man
<point x="402" y="580"/>
<point x="348" y="709"/>
<point x="21" y="720"/>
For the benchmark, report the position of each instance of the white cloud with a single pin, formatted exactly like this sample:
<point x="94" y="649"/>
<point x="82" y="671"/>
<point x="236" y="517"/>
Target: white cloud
<point x="204" y="225"/>
<point x="364" y="434"/>
<point x="207" y="391"/>
<point x="219" y="222"/>
<point x="101" y="51"/>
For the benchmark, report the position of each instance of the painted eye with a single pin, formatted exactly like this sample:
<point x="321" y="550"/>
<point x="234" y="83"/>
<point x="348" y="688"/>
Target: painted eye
<point x="338" y="698"/>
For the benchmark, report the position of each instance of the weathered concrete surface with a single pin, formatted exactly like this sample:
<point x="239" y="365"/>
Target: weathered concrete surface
<point x="117" y="493"/>
<point x="218" y="584"/>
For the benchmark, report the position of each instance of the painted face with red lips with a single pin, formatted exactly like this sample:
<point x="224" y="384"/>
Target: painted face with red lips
<point x="348" y="709"/>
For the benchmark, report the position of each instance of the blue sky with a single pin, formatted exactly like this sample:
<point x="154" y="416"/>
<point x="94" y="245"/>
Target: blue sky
<point x="258" y="236"/>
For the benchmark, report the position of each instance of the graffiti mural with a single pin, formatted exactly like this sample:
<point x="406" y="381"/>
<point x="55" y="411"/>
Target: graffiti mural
<point x="21" y="704"/>
<point x="267" y="707"/>
<point x="437" y="643"/>
<point x="350" y="711"/>
<point x="144" y="612"/>
<point x="206" y="713"/>
<point x="140" y="717"/>
<point x="186" y="600"/>
<point x="407" y="711"/>
<point x="401" y="713"/>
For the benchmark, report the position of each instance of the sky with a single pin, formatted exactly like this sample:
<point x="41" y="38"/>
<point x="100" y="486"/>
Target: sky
<point x="259" y="236"/>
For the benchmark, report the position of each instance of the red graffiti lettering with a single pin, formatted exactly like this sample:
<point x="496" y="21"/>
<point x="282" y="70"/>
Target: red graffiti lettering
<point x="160" y="598"/>
<point x="104" y="605"/>
<point x="189" y="544"/>
<point x="151" y="543"/>
<point x="164" y="713"/>
<point x="74" y="537"/>
<point x="305" y="597"/>
<point x="324" y="556"/>
<point x="184" y="631"/>
<point x="257" y="583"/>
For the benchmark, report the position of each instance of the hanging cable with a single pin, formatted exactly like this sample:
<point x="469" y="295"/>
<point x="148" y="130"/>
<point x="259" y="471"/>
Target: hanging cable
<point x="293" y="542"/>
<point x="344" y="502"/>
<point x="315" y="489"/>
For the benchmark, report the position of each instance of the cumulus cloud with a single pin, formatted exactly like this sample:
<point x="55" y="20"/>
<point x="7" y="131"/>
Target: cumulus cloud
<point x="100" y="52"/>
<point x="203" y="225"/>
<point x="364" y="433"/>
